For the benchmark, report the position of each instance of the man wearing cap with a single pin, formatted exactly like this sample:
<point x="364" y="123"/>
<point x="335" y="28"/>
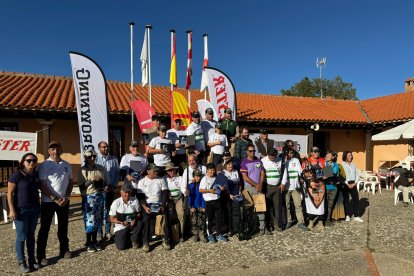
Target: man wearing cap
<point x="272" y="166"/>
<point x="230" y="129"/>
<point x="253" y="175"/>
<point x="125" y="214"/>
<point x="111" y="164"/>
<point x="152" y="191"/>
<point x="133" y="165"/>
<point x="195" y="129"/>
<point x="263" y="144"/>
<point x="177" y="189"/>
<point x="217" y="143"/>
<point x="160" y="146"/>
<point x="240" y="147"/>
<point x="208" y="126"/>
<point x="177" y="136"/>
<point x="56" y="176"/>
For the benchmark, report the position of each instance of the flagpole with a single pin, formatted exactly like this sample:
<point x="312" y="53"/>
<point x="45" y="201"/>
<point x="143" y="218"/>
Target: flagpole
<point x="190" y="42"/>
<point x="131" y="24"/>
<point x="205" y="62"/>
<point x="148" y="28"/>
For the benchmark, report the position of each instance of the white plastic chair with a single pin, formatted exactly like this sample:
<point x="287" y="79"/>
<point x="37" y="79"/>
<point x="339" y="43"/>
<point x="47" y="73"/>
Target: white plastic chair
<point x="396" y="194"/>
<point x="372" y="182"/>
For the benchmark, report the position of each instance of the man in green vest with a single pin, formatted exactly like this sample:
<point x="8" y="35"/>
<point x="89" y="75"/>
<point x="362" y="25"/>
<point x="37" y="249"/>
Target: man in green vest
<point x="230" y="129"/>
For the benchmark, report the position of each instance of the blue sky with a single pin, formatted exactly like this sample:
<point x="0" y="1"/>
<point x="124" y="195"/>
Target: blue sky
<point x="264" y="46"/>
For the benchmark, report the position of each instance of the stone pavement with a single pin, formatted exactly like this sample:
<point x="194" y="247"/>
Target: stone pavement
<point x="383" y="243"/>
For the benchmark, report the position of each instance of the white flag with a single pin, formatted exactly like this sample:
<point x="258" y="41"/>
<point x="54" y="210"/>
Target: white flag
<point x="204" y="77"/>
<point x="144" y="60"/>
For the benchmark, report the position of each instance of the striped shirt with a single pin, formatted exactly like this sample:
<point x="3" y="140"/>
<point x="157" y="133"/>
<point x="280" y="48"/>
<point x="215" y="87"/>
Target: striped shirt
<point x="272" y="170"/>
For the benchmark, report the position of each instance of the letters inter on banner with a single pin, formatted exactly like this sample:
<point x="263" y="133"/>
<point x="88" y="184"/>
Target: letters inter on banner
<point x="13" y="144"/>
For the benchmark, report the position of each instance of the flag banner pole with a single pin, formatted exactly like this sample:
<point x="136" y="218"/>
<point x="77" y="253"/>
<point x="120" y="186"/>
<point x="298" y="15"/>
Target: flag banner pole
<point x="148" y="28"/>
<point x="204" y="81"/>
<point x="91" y="101"/>
<point x="131" y="25"/>
<point x="189" y="73"/>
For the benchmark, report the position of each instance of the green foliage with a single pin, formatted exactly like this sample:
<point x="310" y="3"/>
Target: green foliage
<point x="336" y="88"/>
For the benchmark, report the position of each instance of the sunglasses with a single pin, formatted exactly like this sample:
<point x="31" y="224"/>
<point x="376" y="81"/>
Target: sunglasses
<point x="92" y="156"/>
<point x="251" y="150"/>
<point x="31" y="161"/>
<point x="316" y="151"/>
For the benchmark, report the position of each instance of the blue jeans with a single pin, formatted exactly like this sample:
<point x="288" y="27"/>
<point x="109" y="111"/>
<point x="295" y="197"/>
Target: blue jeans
<point x="26" y="222"/>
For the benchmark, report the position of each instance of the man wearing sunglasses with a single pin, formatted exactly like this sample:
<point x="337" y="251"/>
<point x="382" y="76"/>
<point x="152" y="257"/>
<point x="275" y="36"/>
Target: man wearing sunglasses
<point x="56" y="176"/>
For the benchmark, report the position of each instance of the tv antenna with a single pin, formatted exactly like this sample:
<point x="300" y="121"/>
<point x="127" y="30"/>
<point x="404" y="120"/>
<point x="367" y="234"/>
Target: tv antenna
<point x="321" y="63"/>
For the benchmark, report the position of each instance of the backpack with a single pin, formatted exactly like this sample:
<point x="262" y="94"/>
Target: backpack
<point x="245" y="221"/>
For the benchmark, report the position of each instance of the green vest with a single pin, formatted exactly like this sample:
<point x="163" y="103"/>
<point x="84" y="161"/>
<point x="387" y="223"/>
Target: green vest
<point x="229" y="128"/>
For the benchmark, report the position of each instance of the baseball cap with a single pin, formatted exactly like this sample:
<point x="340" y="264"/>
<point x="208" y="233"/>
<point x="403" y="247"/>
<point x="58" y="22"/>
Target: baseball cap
<point x="54" y="144"/>
<point x="315" y="149"/>
<point x="195" y="114"/>
<point x="227" y="110"/>
<point x="126" y="189"/>
<point x="197" y="172"/>
<point x="163" y="127"/>
<point x="264" y="131"/>
<point x="170" y="166"/>
<point x="89" y="152"/>
<point x="134" y="143"/>
<point x="153" y="167"/>
<point x="209" y="111"/>
<point x="226" y="153"/>
<point x="219" y="125"/>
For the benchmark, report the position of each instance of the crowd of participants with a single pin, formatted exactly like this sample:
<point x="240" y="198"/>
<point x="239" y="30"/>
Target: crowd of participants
<point x="188" y="184"/>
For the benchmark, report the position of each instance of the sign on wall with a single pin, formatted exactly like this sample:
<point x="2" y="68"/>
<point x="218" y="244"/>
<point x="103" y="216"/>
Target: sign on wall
<point x="300" y="141"/>
<point x="13" y="144"/>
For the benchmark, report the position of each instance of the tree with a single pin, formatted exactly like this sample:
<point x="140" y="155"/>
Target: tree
<point x="336" y="88"/>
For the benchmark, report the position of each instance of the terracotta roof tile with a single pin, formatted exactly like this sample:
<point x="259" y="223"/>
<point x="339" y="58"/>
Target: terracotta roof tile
<point x="49" y="93"/>
<point x="396" y="107"/>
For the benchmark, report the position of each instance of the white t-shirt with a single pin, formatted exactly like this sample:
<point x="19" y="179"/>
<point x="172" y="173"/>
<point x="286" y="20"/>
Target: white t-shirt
<point x="215" y="137"/>
<point x="207" y="183"/>
<point x="293" y="170"/>
<point x="57" y="176"/>
<point x="197" y="131"/>
<point x="176" y="186"/>
<point x="160" y="159"/>
<point x="131" y="208"/>
<point x="126" y="163"/>
<point x="233" y="175"/>
<point x="174" y="135"/>
<point x="208" y="128"/>
<point x="272" y="170"/>
<point x="188" y="181"/>
<point x="152" y="188"/>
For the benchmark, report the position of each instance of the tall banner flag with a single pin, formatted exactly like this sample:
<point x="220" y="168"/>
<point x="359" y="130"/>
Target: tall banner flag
<point x="180" y="109"/>
<point x="90" y="91"/>
<point x="143" y="111"/>
<point x="202" y="107"/>
<point x="173" y="68"/>
<point x="221" y="91"/>
<point x="204" y="79"/>
<point x="144" y="60"/>
<point x="189" y="73"/>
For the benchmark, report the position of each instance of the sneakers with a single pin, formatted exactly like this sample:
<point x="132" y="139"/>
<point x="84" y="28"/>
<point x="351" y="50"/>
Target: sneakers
<point x="211" y="239"/>
<point x="108" y="236"/>
<point x="33" y="266"/>
<point x="348" y="218"/>
<point x="67" y="255"/>
<point x="97" y="247"/>
<point x="146" y="247"/>
<point x="289" y="224"/>
<point x="406" y="204"/>
<point x="328" y="223"/>
<point x="23" y="267"/>
<point x="278" y="229"/>
<point x="166" y="244"/>
<point x="267" y="232"/>
<point x="182" y="239"/>
<point x="357" y="219"/>
<point x="303" y="227"/>
<point x="222" y="238"/>
<point x="43" y="262"/>
<point x="135" y="245"/>
<point x="90" y="248"/>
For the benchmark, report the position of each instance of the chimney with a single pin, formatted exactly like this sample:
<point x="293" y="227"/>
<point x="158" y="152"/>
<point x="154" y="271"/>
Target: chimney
<point x="409" y="85"/>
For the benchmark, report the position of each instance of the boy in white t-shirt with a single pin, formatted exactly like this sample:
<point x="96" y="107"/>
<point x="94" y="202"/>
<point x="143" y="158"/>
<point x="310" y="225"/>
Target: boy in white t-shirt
<point x="159" y="147"/>
<point x="218" y="142"/>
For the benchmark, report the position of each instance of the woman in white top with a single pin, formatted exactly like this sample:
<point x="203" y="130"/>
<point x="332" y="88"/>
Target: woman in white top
<point x="218" y="142"/>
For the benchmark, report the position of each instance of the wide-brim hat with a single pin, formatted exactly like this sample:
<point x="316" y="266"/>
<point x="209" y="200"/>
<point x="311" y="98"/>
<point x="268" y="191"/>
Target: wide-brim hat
<point x="170" y="166"/>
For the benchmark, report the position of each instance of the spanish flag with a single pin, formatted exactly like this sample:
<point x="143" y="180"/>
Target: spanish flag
<point x="173" y="68"/>
<point x="180" y="109"/>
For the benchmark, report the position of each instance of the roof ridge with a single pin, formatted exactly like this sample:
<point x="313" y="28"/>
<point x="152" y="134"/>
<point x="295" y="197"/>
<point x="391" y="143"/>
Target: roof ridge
<point x="364" y="112"/>
<point x="385" y="96"/>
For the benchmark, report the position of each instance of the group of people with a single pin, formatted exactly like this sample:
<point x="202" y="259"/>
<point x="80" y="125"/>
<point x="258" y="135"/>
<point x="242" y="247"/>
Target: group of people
<point x="185" y="183"/>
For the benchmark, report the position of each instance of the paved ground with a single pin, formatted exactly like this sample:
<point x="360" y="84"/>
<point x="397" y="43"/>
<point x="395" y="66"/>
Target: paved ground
<point x="383" y="243"/>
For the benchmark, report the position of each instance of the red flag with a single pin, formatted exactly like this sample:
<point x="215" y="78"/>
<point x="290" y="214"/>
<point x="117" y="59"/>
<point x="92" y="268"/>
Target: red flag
<point x="143" y="111"/>
<point x="189" y="61"/>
